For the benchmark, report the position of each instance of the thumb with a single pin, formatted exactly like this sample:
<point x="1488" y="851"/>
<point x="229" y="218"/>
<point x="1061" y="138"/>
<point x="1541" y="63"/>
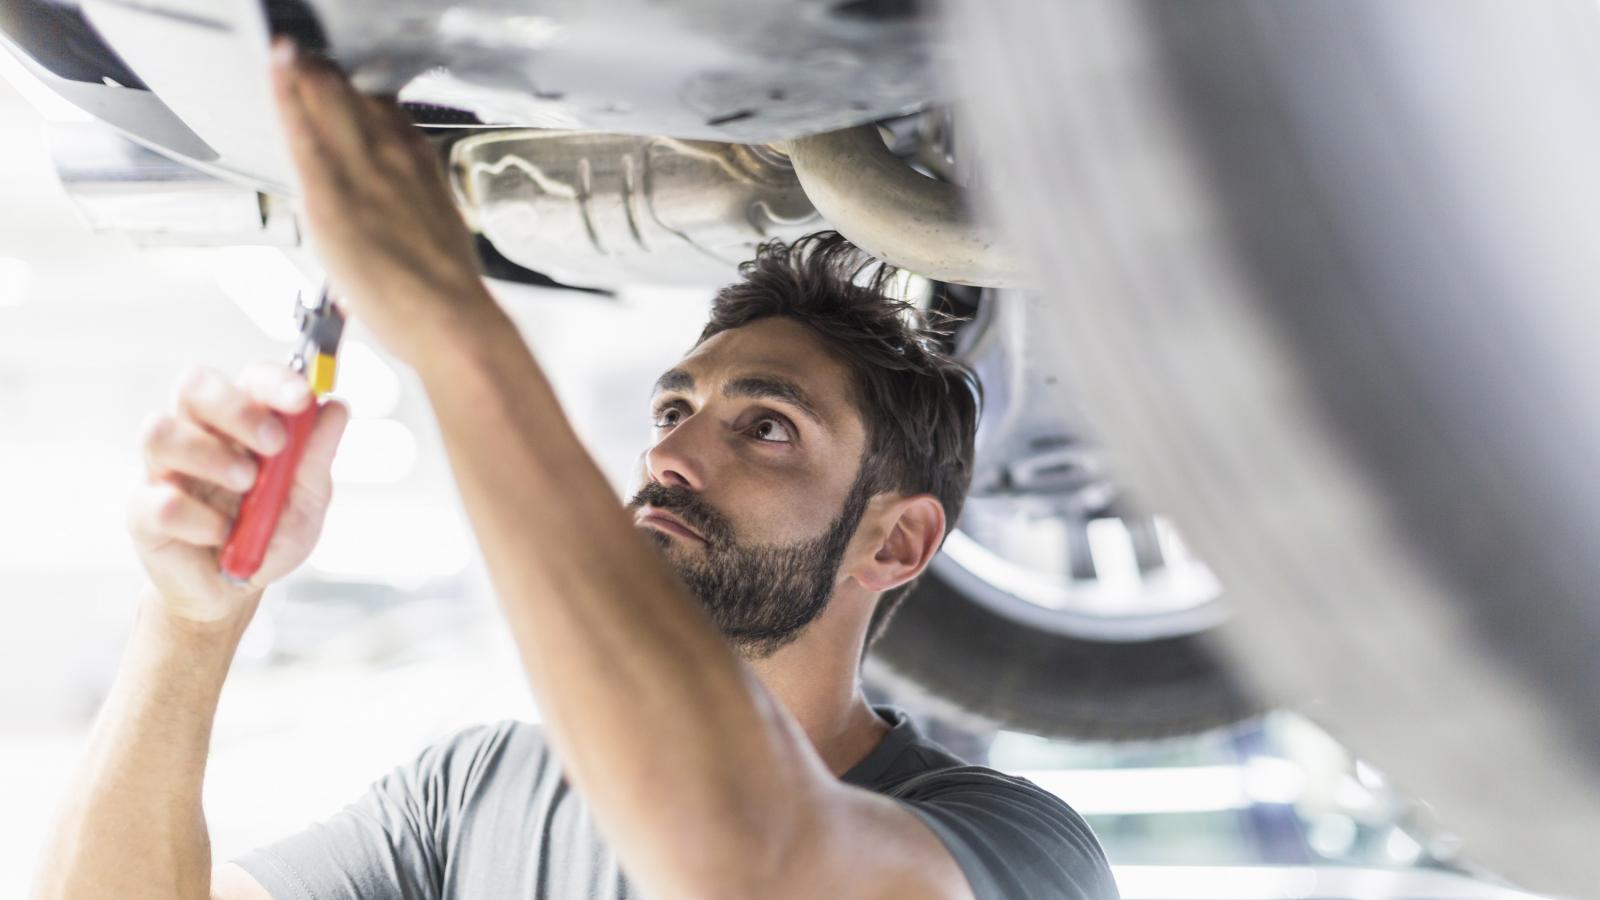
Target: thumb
<point x="324" y="441"/>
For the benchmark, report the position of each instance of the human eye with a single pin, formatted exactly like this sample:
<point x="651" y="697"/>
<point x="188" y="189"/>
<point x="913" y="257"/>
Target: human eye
<point x="666" y="415"/>
<point x="772" y="430"/>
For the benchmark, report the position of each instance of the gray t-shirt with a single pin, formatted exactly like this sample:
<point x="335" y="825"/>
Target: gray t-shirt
<point x="487" y="815"/>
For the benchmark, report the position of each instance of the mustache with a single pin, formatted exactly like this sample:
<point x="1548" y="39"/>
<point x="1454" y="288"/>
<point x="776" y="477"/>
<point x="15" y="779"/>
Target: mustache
<point x="688" y="506"/>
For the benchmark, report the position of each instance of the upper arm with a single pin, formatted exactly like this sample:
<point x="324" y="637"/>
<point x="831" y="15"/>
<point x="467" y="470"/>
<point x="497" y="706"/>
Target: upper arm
<point x="233" y="883"/>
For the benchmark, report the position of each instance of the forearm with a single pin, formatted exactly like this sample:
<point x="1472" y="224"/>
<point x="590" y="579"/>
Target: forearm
<point x="133" y="825"/>
<point x="670" y="738"/>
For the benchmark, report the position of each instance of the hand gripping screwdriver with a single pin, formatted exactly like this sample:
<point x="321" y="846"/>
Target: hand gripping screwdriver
<point x="321" y="326"/>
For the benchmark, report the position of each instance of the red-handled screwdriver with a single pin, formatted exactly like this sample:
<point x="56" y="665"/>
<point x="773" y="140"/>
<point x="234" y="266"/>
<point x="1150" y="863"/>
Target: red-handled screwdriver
<point x="321" y="327"/>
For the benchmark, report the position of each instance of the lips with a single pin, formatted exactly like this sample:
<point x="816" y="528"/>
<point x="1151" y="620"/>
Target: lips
<point x="665" y="521"/>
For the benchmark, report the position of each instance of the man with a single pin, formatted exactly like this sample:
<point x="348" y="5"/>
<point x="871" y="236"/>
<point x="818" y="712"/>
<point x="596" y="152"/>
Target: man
<point x="694" y="656"/>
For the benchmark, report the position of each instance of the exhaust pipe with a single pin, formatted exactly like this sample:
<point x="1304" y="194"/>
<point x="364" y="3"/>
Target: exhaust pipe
<point x="610" y="209"/>
<point x="897" y="215"/>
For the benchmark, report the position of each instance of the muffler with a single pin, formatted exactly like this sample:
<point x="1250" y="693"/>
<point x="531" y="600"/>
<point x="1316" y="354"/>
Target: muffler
<point x="610" y="209"/>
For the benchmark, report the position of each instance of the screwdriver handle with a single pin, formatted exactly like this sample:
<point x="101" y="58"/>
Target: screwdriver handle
<point x="261" y="507"/>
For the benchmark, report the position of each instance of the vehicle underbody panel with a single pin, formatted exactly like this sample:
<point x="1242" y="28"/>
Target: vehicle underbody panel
<point x="743" y="71"/>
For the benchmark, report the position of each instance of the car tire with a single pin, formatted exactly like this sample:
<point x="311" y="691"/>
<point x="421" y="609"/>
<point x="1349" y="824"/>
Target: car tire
<point x="950" y="652"/>
<point x="1326" y="281"/>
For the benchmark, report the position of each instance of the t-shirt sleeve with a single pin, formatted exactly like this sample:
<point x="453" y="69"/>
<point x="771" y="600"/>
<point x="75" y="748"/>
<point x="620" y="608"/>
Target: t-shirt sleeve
<point x="388" y="843"/>
<point x="1012" y="839"/>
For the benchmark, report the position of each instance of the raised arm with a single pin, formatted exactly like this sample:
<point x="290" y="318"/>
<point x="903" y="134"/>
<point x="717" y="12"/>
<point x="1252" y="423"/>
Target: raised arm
<point x="133" y="826"/>
<point x="705" y="787"/>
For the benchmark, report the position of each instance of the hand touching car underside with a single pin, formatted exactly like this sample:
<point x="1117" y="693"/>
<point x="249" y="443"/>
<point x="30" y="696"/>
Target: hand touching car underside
<point x="378" y="208"/>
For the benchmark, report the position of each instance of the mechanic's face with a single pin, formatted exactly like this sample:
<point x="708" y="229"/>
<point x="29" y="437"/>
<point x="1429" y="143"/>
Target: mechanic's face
<point x="757" y="449"/>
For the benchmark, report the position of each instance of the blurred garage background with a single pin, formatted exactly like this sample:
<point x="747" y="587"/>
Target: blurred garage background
<point x="388" y="639"/>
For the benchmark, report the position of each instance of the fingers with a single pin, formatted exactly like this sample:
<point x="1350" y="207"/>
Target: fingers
<point x="236" y="412"/>
<point x="314" y="477"/>
<point x="178" y="446"/>
<point x="202" y="440"/>
<point x="163" y="511"/>
<point x="276" y="386"/>
<point x="334" y="108"/>
<point x="199" y="456"/>
<point x="329" y="123"/>
<point x="306" y="144"/>
<point x="324" y="440"/>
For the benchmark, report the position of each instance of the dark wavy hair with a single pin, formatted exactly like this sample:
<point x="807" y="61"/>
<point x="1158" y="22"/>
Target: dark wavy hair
<point x="919" y="404"/>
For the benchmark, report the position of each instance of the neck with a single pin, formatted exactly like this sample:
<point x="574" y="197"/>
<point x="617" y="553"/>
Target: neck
<point x="816" y="678"/>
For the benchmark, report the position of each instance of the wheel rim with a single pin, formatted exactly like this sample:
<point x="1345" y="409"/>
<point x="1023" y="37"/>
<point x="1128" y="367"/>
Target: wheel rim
<point x="1029" y="568"/>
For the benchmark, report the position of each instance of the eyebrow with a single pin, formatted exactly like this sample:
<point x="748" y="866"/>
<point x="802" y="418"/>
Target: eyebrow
<point x="673" y="380"/>
<point x="760" y="387"/>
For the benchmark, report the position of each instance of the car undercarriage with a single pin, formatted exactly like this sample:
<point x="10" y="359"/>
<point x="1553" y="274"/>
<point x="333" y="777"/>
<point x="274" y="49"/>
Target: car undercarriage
<point x="1283" y="313"/>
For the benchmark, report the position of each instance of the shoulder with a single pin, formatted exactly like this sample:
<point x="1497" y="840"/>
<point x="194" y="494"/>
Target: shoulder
<point x="400" y="834"/>
<point x="1011" y="837"/>
<point x="462" y="769"/>
<point x="491" y="752"/>
<point x="494" y="739"/>
<point x="985" y="791"/>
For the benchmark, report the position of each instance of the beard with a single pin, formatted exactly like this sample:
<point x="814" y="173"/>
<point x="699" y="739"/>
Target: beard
<point x="760" y="596"/>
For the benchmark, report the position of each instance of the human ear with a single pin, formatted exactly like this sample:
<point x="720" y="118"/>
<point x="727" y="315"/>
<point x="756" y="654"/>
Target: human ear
<point x="913" y="537"/>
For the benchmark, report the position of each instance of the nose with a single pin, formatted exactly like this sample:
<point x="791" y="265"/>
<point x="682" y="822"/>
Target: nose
<point x="679" y="458"/>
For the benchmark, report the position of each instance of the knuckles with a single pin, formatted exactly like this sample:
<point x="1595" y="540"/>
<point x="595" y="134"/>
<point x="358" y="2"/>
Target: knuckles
<point x="204" y="395"/>
<point x="171" y="506"/>
<point x="157" y="433"/>
<point x="395" y="153"/>
<point x="195" y="384"/>
<point x="153" y="510"/>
